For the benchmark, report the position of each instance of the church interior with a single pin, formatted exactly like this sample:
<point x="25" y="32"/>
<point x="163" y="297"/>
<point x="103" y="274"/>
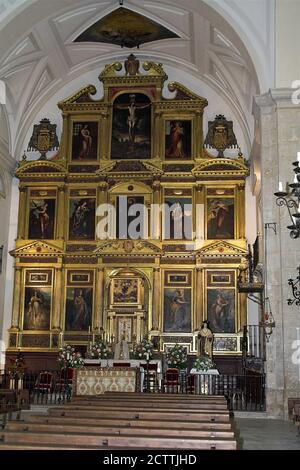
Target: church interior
<point x="150" y="224"/>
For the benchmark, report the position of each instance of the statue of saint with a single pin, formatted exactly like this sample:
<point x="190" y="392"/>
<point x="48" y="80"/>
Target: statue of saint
<point x="205" y="340"/>
<point x="121" y="349"/>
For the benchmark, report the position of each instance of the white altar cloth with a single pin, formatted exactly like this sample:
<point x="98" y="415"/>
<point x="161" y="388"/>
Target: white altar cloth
<point x="204" y="380"/>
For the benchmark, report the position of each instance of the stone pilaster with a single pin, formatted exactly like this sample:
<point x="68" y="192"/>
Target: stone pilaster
<point x="279" y="141"/>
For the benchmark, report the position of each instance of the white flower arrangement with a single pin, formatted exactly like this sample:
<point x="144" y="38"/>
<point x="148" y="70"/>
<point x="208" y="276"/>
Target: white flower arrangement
<point x="177" y="357"/>
<point x="143" y="350"/>
<point x="69" y="359"/>
<point x="204" y="363"/>
<point x="99" y="350"/>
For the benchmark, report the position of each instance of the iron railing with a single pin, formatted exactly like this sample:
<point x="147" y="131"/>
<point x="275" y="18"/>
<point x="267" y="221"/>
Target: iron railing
<point x="243" y="392"/>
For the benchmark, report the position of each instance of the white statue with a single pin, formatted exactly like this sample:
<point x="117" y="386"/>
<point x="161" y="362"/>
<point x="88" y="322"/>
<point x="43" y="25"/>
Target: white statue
<point x="121" y="349"/>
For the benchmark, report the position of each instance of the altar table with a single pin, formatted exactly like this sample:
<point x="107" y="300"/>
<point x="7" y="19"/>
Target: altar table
<point x="98" y="380"/>
<point x="204" y="380"/>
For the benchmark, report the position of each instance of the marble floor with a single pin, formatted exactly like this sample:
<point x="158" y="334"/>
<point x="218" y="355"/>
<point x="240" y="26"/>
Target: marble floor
<point x="267" y="434"/>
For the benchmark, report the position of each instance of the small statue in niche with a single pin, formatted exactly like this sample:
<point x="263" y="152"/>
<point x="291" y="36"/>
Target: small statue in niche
<point x="205" y="340"/>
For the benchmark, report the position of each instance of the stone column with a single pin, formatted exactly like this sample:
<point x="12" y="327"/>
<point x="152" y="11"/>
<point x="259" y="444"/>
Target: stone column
<point x="22" y="213"/>
<point x="60" y="227"/>
<point x="277" y="142"/>
<point x="156" y="300"/>
<point x="16" y="318"/>
<point x="199" y="216"/>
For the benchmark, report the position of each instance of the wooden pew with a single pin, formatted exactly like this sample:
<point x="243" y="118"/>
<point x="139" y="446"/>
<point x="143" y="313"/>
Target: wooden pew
<point x="132" y="423"/>
<point x="120" y="423"/>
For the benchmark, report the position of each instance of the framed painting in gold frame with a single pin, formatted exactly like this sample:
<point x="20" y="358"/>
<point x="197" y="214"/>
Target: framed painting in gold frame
<point x="125" y="291"/>
<point x="85" y="141"/>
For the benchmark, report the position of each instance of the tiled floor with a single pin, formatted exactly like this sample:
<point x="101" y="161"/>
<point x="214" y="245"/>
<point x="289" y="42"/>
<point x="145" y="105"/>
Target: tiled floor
<point x="267" y="434"/>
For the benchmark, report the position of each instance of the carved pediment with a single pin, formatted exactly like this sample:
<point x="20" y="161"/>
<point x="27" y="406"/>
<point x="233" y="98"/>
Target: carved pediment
<point x="81" y="96"/>
<point x="37" y="248"/>
<point x="123" y="247"/>
<point x="40" y="167"/>
<point x="222" y="249"/>
<point x="221" y="167"/>
<point x="184" y="94"/>
<point x="131" y="168"/>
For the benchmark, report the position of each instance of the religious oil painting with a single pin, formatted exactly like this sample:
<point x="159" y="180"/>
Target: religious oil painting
<point x="82" y="219"/>
<point x="178" y="218"/>
<point x="131" y="127"/>
<point x="79" y="307"/>
<point x="221" y="310"/>
<point x="131" y="220"/>
<point x="220" y="218"/>
<point x="177" y="310"/>
<point x="125" y="291"/>
<point x="85" y="141"/>
<point x="37" y="308"/>
<point x="41" y="219"/>
<point x="178" y="140"/>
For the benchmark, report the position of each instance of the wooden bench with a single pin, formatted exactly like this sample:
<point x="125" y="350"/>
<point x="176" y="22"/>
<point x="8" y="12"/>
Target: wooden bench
<point x="120" y="423"/>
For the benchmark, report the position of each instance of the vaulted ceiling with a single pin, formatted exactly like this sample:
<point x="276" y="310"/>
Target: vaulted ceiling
<point x="224" y="44"/>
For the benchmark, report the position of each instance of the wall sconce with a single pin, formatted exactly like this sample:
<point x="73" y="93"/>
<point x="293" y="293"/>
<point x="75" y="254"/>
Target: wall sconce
<point x="291" y="200"/>
<point x="295" y="284"/>
<point x="1" y="257"/>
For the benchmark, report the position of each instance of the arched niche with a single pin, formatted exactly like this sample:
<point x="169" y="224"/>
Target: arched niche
<point x="127" y="304"/>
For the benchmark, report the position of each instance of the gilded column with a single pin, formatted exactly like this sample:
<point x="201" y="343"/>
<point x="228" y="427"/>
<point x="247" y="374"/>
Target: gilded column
<point x="22" y="212"/>
<point x="99" y="299"/>
<point x="64" y="138"/>
<point x="17" y="298"/>
<point x="199" y="216"/>
<point x="240" y="220"/>
<point x="56" y="320"/>
<point x="198" y="313"/>
<point x="156" y="216"/>
<point x="60" y="213"/>
<point x="156" y="303"/>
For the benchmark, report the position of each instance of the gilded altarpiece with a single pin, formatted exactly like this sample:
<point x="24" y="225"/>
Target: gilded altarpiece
<point x="74" y="275"/>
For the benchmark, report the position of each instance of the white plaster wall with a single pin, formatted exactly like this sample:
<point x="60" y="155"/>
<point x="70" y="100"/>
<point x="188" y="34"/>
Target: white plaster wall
<point x="287" y="42"/>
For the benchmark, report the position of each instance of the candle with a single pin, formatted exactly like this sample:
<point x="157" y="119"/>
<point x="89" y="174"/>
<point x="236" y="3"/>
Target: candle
<point x="298" y="156"/>
<point x="280" y="187"/>
<point x="295" y="179"/>
<point x="147" y="356"/>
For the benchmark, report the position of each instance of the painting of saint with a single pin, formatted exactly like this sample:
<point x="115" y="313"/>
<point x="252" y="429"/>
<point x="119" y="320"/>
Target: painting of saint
<point x="220" y="218"/>
<point x="178" y="219"/>
<point x="124" y="204"/>
<point x="221" y="310"/>
<point x="178" y="140"/>
<point x="131" y="127"/>
<point x="41" y="219"/>
<point x="177" y="310"/>
<point x="37" y="307"/>
<point x="79" y="308"/>
<point x="125" y="291"/>
<point x="82" y="219"/>
<point x="85" y="141"/>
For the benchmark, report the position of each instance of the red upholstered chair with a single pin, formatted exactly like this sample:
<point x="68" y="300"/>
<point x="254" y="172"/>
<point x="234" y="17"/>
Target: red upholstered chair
<point x="65" y="380"/>
<point x="44" y="382"/>
<point x="172" y="383"/>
